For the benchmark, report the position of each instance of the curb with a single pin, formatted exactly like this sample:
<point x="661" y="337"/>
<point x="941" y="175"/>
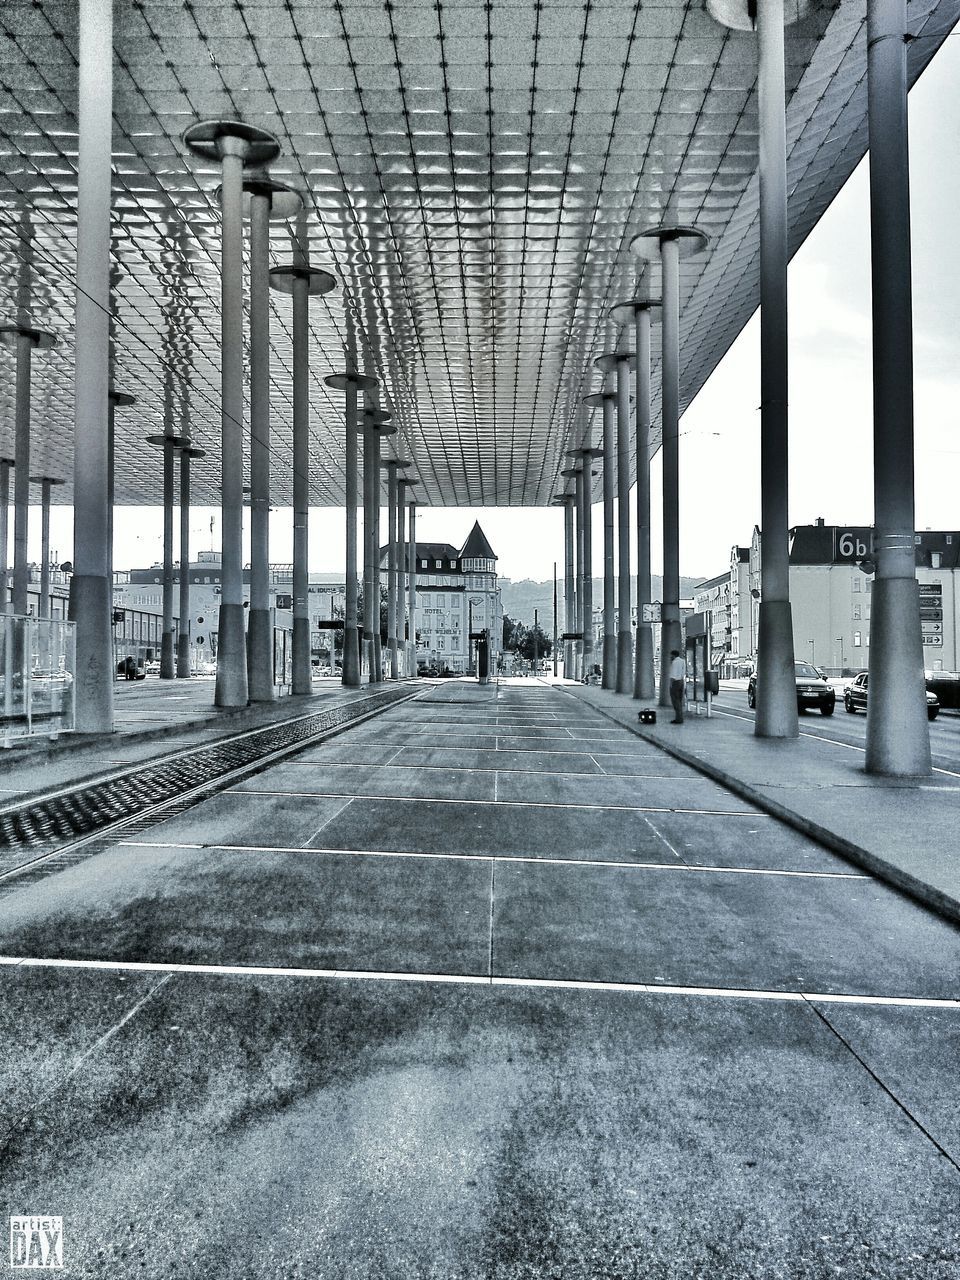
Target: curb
<point x="925" y="894"/>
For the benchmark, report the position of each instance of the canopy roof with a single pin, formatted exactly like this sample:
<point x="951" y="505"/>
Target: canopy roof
<point x="473" y="174"/>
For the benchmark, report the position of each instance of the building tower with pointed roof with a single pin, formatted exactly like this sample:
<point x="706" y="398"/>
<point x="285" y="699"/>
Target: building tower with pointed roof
<point x="457" y="591"/>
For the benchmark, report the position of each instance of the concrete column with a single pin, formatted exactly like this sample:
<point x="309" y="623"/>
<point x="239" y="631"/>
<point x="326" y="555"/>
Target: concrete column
<point x="403" y="558"/>
<point x="392" y="487"/>
<point x="167" y="665"/>
<point x="369" y="661"/>
<point x="585" y="594"/>
<point x="396" y="497"/>
<point x="21" y="474"/>
<point x="375" y="540"/>
<point x="624" y="632"/>
<point x="46" y="484"/>
<point x="303" y="282"/>
<point x="5" y="465"/>
<point x="606" y="401"/>
<point x="350" y="381"/>
<point x="569" y="593"/>
<point x="644" y="682"/>
<point x="266" y="200"/>
<point x="412" y="590"/>
<point x="91" y="591"/>
<point x="579" y="667"/>
<point x="184" y="657"/>
<point x="776" y="678"/>
<point x="235" y="144"/>
<point x="669" y="243"/>
<point x="898" y="732"/>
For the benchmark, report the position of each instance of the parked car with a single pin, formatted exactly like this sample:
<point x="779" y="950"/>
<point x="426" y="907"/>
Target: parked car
<point x="855" y="697"/>
<point x="813" y="692"/>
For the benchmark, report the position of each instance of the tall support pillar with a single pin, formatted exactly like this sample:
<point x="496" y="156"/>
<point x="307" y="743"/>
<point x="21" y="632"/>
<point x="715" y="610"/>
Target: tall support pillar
<point x="91" y="591"/>
<point x="235" y="145"/>
<point x="392" y="568"/>
<point x="569" y="593"/>
<point x="303" y="282"/>
<point x="167" y="635"/>
<point x="46" y="484"/>
<point x="267" y="200"/>
<point x="350" y="382"/>
<point x="624" y="635"/>
<point x="369" y="435"/>
<point x="585" y="455"/>
<point x="669" y="243"/>
<point x="5" y="465"/>
<point x="579" y="662"/>
<point x="187" y="452"/>
<point x="644" y="682"/>
<point x="607" y="401"/>
<point x="776" y="677"/>
<point x="23" y="339"/>
<point x="412" y="590"/>
<point x="402" y="561"/>
<point x="898" y="732"/>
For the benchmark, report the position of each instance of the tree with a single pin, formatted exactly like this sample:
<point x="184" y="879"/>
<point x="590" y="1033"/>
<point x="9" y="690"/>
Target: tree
<point x="535" y="642"/>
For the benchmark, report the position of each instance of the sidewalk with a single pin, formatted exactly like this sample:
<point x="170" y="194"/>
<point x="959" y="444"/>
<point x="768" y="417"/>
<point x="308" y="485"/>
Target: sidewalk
<point x="904" y="831"/>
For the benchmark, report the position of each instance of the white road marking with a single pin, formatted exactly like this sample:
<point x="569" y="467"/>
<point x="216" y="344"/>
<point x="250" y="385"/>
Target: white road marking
<point x="702" y="868"/>
<point x="517" y="804"/>
<point x="470" y="979"/>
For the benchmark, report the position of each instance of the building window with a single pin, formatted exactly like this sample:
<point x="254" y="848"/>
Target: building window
<point x="441" y="601"/>
<point x="856" y="584"/>
<point x="856" y="612"/>
<point x="856" y="640"/>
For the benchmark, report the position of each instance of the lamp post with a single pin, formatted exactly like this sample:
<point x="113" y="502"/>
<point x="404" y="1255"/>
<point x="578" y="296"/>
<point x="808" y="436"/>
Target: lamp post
<point x="840" y="643"/>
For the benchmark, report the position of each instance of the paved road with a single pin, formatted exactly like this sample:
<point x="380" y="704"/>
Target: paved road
<point x="484" y="987"/>
<point x="852" y="729"/>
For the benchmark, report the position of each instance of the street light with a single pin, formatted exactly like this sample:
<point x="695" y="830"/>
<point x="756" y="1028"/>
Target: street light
<point x="839" y="640"/>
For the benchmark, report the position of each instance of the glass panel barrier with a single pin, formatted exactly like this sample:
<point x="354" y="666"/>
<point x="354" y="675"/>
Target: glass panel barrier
<point x="37" y="666"/>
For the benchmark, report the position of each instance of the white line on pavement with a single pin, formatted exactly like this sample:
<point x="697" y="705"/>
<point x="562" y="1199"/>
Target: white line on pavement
<point x="469" y="979"/>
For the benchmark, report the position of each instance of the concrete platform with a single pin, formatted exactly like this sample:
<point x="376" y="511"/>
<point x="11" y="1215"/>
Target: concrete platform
<point x="906" y="831"/>
<point x="402" y="1009"/>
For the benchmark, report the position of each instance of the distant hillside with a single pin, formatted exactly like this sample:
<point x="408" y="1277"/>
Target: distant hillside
<point x="521" y="598"/>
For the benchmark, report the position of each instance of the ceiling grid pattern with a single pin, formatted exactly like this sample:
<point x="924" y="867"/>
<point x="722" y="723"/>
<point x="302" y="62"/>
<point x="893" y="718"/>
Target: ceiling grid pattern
<point x="473" y="173"/>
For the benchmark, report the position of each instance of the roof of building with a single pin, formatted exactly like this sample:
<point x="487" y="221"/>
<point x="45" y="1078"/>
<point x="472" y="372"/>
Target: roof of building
<point x="821" y="543"/>
<point x="476" y="545"/>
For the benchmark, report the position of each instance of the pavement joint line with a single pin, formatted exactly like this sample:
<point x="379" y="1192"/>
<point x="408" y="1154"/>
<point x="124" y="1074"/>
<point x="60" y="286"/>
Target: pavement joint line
<point x="471" y="979"/>
<point x="517" y="804"/>
<point x="884" y="1086"/>
<point x="326" y="822"/>
<point x="894" y="877"/>
<point x="454" y="768"/>
<point x="526" y="859"/>
<point x="88" y="1053"/>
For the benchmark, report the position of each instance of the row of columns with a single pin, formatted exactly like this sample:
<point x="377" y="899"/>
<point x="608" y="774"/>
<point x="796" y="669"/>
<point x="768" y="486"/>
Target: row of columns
<point x="897" y="734"/>
<point x="897" y="729"/>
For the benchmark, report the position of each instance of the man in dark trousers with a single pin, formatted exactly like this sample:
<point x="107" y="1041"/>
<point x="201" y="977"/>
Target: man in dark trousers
<point x="678" y="685"/>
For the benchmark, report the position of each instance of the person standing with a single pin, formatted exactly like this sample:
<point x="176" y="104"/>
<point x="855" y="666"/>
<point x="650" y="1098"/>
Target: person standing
<point x="678" y="685"/>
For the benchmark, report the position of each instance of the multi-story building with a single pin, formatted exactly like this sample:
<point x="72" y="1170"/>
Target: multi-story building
<point x="142" y="589"/>
<point x="713" y="597"/>
<point x="457" y="593"/>
<point x="831" y="581"/>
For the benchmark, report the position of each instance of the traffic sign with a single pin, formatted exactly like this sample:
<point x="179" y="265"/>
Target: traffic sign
<point x="932" y="641"/>
<point x="927" y="627"/>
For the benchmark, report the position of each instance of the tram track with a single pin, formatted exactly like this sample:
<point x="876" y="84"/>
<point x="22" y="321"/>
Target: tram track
<point x="46" y="833"/>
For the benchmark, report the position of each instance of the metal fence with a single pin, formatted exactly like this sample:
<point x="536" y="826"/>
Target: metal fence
<point x="37" y="665"/>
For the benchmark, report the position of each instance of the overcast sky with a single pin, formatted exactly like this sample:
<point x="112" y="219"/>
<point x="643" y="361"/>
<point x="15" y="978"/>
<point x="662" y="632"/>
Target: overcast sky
<point x="830" y="396"/>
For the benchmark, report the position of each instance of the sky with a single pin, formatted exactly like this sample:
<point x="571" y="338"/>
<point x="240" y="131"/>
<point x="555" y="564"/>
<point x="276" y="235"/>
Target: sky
<point x="830" y="397"/>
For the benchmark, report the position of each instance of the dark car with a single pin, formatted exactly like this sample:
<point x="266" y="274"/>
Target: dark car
<point x="855" y="697"/>
<point x="813" y="692"/>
